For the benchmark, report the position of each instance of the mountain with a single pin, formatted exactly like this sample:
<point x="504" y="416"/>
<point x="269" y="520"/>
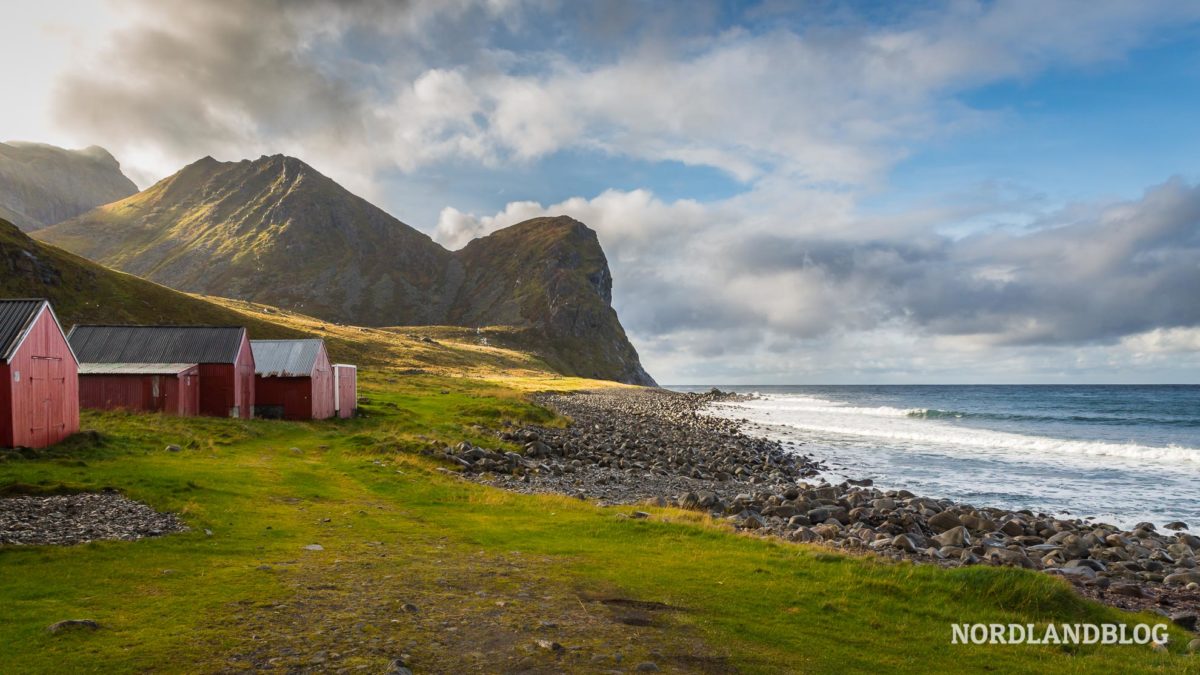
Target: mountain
<point x="84" y="292"/>
<point x="42" y="184"/>
<point x="276" y="231"/>
<point x="550" y="277"/>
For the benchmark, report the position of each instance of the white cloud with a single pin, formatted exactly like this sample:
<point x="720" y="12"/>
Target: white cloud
<point x="1164" y="341"/>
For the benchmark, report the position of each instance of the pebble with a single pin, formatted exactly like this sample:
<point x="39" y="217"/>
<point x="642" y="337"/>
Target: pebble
<point x="314" y="547"/>
<point x="647" y="667"/>
<point x="1186" y="619"/>
<point x="635" y="447"/>
<point x="73" y="624"/>
<point x="398" y="667"/>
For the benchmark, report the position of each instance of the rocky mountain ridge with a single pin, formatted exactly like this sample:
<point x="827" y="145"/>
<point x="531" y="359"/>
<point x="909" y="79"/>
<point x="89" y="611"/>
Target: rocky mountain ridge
<point x="276" y="231"/>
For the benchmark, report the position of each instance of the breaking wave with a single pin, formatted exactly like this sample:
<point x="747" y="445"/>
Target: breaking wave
<point x="930" y="429"/>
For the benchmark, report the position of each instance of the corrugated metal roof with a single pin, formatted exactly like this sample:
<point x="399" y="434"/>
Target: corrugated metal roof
<point x="285" y="358"/>
<point x="134" y="368"/>
<point x="15" y="319"/>
<point x="156" y="344"/>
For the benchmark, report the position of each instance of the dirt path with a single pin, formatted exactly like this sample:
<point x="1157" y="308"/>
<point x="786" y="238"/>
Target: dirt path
<point x="464" y="611"/>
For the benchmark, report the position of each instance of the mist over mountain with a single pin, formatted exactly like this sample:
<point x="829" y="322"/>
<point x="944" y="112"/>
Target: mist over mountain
<point x="43" y="184"/>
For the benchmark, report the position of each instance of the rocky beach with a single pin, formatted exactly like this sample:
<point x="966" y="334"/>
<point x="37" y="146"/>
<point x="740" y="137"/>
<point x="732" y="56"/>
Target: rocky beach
<point x="660" y="447"/>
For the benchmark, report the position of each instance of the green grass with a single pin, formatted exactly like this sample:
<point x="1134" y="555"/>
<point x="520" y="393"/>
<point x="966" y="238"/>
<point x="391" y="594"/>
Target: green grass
<point x="399" y="526"/>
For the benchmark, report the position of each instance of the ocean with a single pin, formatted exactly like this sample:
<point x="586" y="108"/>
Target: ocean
<point x="1119" y="454"/>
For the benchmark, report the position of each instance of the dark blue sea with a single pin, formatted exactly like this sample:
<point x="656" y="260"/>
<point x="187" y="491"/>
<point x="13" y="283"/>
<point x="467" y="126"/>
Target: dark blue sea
<point x="1119" y="454"/>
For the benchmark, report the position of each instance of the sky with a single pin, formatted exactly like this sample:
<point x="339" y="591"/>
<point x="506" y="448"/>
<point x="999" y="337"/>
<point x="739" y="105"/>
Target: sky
<point x="787" y="192"/>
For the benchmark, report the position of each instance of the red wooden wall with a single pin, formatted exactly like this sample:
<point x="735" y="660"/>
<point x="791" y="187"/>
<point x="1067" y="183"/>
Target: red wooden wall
<point x="188" y="388"/>
<point x="322" y="387"/>
<point x="292" y="394"/>
<point x="176" y="394"/>
<point x="6" y="385"/>
<point x="217" y="392"/>
<point x="347" y="383"/>
<point x="42" y="383"/>
<point x="225" y="387"/>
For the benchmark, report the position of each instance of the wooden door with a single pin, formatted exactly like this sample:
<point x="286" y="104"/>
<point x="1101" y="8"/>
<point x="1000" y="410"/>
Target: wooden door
<point x="56" y="424"/>
<point x="47" y="387"/>
<point x="158" y="394"/>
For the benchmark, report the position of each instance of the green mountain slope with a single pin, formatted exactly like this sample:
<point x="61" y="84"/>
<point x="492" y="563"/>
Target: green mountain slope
<point x="276" y="231"/>
<point x="84" y="292"/>
<point x="42" y="184"/>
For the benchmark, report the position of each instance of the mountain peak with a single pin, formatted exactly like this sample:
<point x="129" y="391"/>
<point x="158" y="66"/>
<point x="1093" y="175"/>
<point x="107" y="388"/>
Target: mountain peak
<point x="43" y="184"/>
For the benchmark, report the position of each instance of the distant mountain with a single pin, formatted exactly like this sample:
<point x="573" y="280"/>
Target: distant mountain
<point x="275" y="230"/>
<point x="42" y="184"/>
<point x="84" y="292"/>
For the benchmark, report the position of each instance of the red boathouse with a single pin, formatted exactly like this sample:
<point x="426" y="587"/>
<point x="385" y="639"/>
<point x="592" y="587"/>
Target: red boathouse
<point x="169" y="388"/>
<point x="292" y="380"/>
<point x="222" y="354"/>
<point x="39" y="385"/>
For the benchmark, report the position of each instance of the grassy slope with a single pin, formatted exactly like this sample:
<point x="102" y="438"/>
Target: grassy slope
<point x="84" y="292"/>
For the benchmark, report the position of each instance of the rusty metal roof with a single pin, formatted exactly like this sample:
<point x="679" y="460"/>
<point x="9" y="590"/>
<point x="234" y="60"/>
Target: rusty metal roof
<point x="134" y="368"/>
<point x="156" y="344"/>
<point x="285" y="358"/>
<point x="16" y="316"/>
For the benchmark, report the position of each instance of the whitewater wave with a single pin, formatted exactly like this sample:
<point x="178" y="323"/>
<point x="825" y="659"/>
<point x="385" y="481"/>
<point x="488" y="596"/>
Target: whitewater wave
<point x="918" y="427"/>
<point x="935" y="414"/>
<point x="820" y="405"/>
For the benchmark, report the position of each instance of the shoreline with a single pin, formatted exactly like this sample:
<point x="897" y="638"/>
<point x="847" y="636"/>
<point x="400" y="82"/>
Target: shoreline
<point x="660" y="447"/>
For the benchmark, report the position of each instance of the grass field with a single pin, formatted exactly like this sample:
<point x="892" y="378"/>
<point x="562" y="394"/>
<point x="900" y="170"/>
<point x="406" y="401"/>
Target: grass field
<point x="453" y="576"/>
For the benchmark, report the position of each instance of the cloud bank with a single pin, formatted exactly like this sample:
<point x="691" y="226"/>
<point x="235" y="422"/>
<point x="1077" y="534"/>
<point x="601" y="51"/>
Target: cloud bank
<point x="717" y="278"/>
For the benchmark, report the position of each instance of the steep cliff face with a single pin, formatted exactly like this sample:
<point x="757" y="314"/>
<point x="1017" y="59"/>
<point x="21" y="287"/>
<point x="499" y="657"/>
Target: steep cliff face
<point x="41" y="184"/>
<point x="549" y="277"/>
<point x="276" y="231"/>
